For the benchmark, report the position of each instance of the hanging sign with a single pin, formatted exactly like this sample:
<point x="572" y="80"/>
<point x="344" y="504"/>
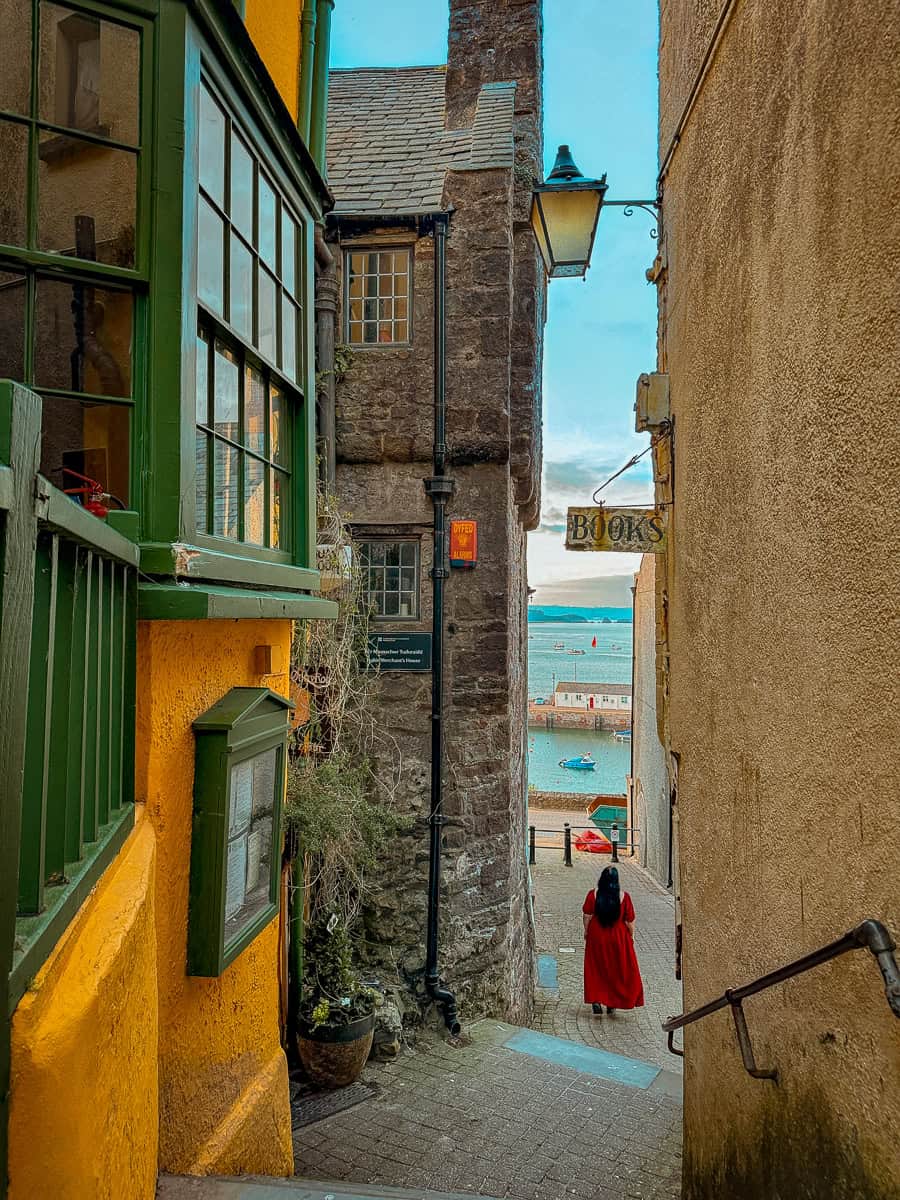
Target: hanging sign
<point x="463" y="543"/>
<point x="634" y="530"/>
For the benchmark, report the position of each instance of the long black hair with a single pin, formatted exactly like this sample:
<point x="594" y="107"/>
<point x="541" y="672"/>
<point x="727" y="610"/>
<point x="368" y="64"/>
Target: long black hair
<point x="608" y="898"/>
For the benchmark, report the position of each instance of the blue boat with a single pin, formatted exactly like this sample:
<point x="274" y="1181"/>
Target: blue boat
<point x="583" y="762"/>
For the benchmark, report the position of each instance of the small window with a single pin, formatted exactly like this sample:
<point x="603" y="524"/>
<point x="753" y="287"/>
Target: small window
<point x="376" y="297"/>
<point x="391" y="577"/>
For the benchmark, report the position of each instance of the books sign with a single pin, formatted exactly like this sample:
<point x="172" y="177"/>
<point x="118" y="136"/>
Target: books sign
<point x="633" y="530"/>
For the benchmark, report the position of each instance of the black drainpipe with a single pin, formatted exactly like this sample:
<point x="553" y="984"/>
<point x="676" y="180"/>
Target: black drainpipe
<point x="439" y="488"/>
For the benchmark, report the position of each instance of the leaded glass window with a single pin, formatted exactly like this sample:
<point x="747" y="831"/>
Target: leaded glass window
<point x="391" y="574"/>
<point x="377" y="297"/>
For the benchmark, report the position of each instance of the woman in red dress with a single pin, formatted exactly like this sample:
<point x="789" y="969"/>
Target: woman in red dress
<point x="611" y="974"/>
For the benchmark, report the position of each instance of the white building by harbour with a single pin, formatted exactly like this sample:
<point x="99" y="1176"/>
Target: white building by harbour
<point x="602" y="697"/>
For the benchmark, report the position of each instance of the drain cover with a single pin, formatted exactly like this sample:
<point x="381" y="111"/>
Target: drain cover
<point x="308" y="1107"/>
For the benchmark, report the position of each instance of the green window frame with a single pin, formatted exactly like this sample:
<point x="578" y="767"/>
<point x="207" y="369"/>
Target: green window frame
<point x="240" y="774"/>
<point x="251" y="353"/>
<point x="74" y="256"/>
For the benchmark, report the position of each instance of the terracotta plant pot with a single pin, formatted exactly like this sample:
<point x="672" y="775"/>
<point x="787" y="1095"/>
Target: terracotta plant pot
<point x="334" y="1055"/>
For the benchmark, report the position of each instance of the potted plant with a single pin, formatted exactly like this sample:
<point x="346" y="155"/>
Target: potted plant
<point x="336" y="1015"/>
<point x="339" y="817"/>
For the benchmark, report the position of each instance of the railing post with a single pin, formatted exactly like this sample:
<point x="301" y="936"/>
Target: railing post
<point x="531" y="855"/>
<point x="614" y="839"/>
<point x="567" y="845"/>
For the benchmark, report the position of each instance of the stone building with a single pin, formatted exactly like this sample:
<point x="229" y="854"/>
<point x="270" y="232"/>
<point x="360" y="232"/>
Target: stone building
<point x="403" y="145"/>
<point x="778" y="647"/>
<point x="649" y="779"/>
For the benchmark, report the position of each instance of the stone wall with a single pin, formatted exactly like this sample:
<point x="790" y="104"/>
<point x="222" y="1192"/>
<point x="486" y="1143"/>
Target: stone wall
<point x="779" y="325"/>
<point x="495" y="311"/>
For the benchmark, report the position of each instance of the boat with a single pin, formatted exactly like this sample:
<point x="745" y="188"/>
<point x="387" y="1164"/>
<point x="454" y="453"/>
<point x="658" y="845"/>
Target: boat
<point x="622" y="735"/>
<point x="575" y="652"/>
<point x="582" y="762"/>
<point x="559" y="645"/>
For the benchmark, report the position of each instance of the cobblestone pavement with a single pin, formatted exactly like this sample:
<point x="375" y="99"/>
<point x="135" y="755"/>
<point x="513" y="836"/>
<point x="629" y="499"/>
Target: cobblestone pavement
<point x="559" y="893"/>
<point x="481" y="1119"/>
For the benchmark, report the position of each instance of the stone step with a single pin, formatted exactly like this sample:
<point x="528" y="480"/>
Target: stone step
<point x="184" y="1187"/>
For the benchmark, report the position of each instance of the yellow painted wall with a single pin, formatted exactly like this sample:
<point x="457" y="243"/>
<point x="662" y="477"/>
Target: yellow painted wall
<point x="274" y="26"/>
<point x="779" y="325"/>
<point x="83" y="1112"/>
<point x="223" y="1085"/>
<point x="121" y="1063"/>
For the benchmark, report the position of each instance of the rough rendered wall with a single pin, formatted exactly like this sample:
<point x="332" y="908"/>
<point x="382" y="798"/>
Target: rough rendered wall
<point x="84" y="1047"/>
<point x="780" y="331"/>
<point x="651" y="783"/>
<point x="223" y="1088"/>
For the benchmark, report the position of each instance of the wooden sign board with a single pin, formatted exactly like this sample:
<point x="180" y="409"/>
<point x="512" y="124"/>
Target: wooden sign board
<point x="632" y="530"/>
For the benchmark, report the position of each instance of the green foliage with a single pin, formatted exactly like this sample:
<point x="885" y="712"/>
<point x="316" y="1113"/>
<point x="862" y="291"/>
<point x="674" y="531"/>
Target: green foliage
<point x="332" y="993"/>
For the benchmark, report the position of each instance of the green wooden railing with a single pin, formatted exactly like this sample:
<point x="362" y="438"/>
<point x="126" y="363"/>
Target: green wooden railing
<point x="67" y="681"/>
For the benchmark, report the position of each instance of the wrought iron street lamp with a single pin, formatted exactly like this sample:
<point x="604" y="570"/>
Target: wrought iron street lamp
<point x="564" y="213"/>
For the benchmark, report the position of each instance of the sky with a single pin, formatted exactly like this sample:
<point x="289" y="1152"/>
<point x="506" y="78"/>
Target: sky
<point x="600" y="98"/>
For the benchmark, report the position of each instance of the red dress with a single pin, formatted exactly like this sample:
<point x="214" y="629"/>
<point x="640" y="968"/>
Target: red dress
<point x="611" y="974"/>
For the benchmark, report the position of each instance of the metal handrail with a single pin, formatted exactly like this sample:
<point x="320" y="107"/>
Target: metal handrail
<point x="869" y="935"/>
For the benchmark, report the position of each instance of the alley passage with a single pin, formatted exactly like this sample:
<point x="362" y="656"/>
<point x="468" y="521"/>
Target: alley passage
<point x="558" y="895"/>
<point x="526" y="1115"/>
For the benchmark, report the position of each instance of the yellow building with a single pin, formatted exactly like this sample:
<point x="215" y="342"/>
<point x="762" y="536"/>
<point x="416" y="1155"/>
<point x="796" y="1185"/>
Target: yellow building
<point x="163" y="177"/>
<point x="777" y="650"/>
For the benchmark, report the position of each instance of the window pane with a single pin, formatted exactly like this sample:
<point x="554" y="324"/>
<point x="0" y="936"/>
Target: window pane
<point x="201" y="496"/>
<point x="15" y="38"/>
<point x="212" y="147"/>
<point x="13" y="197"/>
<point x="401" y="332"/>
<point x="226" y="393"/>
<point x="266" y="315"/>
<point x="202" y="397"/>
<point x="255" y="411"/>
<point x="90" y="439"/>
<point x="82" y="338"/>
<point x="254" y="500"/>
<point x="288" y="337"/>
<point x="95" y="219"/>
<point x="241" y="187"/>
<point x="241" y="286"/>
<point x="226" y="491"/>
<point x="210" y="270"/>
<point x="408" y="553"/>
<point x="277" y="519"/>
<point x="288" y="251"/>
<point x="278" y="437"/>
<point x="12" y="326"/>
<point x="89" y="73"/>
<point x="266" y="242"/>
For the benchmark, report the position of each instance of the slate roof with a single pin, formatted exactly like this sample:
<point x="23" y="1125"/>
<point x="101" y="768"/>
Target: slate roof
<point x="595" y="689"/>
<point x="388" y="151"/>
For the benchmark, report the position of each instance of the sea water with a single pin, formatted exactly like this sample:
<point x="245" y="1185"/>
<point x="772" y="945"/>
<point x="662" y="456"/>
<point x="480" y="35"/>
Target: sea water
<point x="608" y="662"/>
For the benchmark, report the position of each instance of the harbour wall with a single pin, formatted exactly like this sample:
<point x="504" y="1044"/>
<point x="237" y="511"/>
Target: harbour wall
<point x="573" y="801"/>
<point x="549" y="716"/>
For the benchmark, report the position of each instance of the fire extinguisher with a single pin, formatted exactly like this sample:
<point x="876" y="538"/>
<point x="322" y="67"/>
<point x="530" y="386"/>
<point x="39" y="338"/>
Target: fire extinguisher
<point x="94" y="499"/>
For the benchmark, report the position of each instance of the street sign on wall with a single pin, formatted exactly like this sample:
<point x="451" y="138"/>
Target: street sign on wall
<point x="633" y="530"/>
<point x="400" y="651"/>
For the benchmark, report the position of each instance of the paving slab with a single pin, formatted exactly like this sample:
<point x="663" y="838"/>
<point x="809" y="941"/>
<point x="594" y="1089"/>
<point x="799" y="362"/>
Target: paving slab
<point x="559" y="892"/>
<point x="482" y="1118"/>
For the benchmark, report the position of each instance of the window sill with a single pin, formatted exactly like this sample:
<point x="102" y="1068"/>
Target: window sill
<point x="207" y="602"/>
<point x="187" y="562"/>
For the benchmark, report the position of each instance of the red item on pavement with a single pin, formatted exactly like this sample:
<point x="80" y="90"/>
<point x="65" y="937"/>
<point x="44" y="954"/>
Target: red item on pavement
<point x="611" y="973"/>
<point x="593" y="843"/>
